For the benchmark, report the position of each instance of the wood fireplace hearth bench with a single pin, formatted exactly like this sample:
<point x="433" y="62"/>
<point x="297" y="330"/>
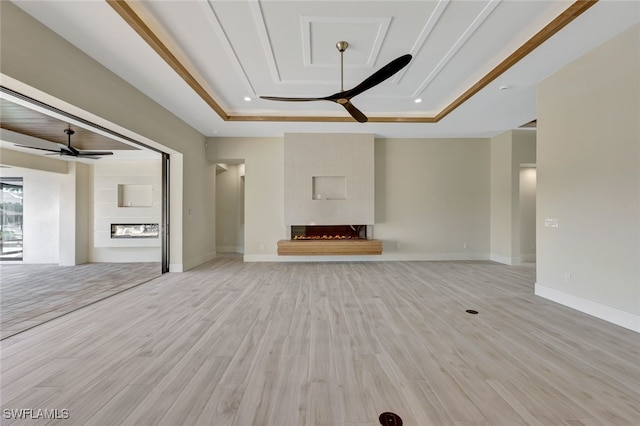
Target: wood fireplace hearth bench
<point x="329" y="247"/>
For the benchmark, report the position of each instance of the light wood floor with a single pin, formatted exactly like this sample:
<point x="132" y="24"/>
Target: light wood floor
<point x="328" y="344"/>
<point x="34" y="294"/>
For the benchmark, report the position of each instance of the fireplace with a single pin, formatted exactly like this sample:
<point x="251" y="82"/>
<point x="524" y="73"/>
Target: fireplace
<point x="329" y="232"/>
<point x="329" y="240"/>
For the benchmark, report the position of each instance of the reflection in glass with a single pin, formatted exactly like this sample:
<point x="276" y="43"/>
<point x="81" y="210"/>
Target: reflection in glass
<point x="11" y="218"/>
<point x="135" y="230"/>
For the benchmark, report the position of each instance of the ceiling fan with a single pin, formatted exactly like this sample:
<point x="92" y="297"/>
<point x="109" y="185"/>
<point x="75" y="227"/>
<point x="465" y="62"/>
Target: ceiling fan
<point x="69" y="151"/>
<point x="343" y="97"/>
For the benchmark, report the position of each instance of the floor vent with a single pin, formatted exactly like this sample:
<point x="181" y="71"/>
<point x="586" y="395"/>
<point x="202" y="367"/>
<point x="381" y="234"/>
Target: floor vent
<point x="390" y="419"/>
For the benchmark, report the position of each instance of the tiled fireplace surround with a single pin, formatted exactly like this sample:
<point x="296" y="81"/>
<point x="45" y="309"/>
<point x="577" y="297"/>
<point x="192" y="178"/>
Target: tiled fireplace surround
<point x="329" y="181"/>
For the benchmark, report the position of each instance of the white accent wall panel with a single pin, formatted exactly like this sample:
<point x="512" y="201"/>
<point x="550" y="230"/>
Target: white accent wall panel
<point x="107" y="178"/>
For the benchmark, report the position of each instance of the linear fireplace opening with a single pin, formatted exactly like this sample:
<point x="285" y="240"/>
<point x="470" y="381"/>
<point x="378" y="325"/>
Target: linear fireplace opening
<point x="329" y="232"/>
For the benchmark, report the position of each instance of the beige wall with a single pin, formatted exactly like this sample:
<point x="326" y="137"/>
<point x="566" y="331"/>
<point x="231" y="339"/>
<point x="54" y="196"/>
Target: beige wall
<point x="528" y="214"/>
<point x="229" y="209"/>
<point x="508" y="152"/>
<point x="83" y="220"/>
<point x="432" y="196"/>
<point x="501" y="198"/>
<point x="589" y="180"/>
<point x="34" y="162"/>
<point x="264" y="190"/>
<point x="36" y="58"/>
<point x="329" y="179"/>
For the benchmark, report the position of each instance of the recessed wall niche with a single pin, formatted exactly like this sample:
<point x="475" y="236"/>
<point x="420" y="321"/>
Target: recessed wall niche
<point x="329" y="179"/>
<point x="329" y="187"/>
<point x="135" y="195"/>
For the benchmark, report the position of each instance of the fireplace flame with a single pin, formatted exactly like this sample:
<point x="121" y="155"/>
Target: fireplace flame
<point x="325" y="237"/>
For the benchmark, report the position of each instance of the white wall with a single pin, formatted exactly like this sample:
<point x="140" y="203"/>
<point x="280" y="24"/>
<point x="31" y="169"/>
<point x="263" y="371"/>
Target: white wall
<point x="589" y="180"/>
<point x="73" y="81"/>
<point x="57" y="207"/>
<point x="41" y="214"/>
<point x="106" y="178"/>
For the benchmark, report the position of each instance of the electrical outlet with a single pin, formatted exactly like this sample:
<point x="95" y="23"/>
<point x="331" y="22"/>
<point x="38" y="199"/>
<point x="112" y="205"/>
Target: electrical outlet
<point x="465" y="245"/>
<point x="567" y="278"/>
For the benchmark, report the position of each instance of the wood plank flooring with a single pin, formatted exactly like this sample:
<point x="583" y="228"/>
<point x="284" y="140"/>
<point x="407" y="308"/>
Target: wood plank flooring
<point x="34" y="294"/>
<point x="233" y="343"/>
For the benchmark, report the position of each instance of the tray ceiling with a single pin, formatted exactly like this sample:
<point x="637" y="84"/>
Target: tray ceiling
<point x="464" y="52"/>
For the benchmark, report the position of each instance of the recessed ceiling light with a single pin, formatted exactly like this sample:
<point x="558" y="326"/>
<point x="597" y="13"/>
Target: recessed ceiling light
<point x="248" y="99"/>
<point x="417" y="100"/>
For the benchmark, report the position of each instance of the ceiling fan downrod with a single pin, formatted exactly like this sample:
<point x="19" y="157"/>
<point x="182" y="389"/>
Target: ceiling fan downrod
<point x="342" y="46"/>
<point x="69" y="132"/>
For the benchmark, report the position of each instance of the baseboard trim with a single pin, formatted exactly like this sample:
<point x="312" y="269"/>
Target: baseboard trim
<point x="230" y="249"/>
<point x="598" y="310"/>
<point x="384" y="257"/>
<point x="505" y="260"/>
<point x="528" y="257"/>
<point x="226" y="249"/>
<point x="199" y="261"/>
<point x="176" y="267"/>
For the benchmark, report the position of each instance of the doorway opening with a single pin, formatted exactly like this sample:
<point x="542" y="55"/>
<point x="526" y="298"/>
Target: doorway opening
<point x="528" y="177"/>
<point x="230" y="182"/>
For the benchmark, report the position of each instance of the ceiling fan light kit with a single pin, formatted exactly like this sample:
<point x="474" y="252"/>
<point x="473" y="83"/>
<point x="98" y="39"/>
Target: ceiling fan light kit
<point x="343" y="97"/>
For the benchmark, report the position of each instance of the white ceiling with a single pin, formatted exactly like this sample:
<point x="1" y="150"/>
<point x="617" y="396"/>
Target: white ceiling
<point x="241" y="48"/>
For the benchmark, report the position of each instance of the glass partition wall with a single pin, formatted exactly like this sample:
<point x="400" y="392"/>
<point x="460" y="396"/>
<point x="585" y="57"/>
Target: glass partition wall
<point x="11" y="218"/>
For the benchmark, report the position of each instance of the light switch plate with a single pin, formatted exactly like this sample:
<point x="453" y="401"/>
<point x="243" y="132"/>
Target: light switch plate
<point x="551" y="223"/>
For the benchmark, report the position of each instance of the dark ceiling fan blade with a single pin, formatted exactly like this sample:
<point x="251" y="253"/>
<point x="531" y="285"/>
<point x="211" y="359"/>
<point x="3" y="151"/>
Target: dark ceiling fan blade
<point x="344" y="97"/>
<point x="378" y="77"/>
<point x="355" y="112"/>
<point x="276" y="98"/>
<point x="35" y="147"/>
<point x="93" y="153"/>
